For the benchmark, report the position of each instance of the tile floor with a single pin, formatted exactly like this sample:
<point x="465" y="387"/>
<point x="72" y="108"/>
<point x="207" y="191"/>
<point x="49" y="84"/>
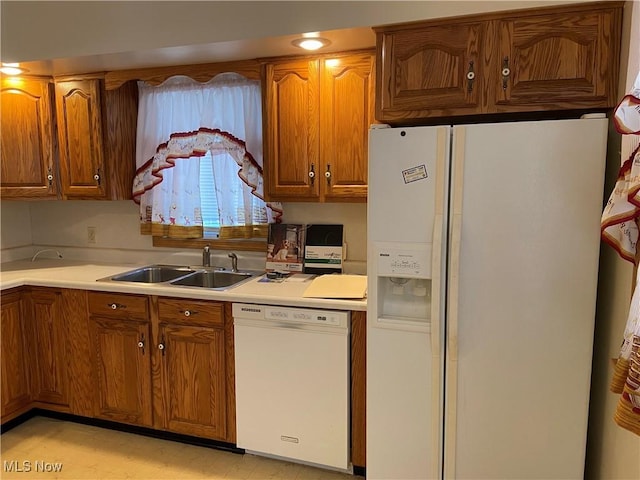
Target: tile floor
<point x="92" y="453"/>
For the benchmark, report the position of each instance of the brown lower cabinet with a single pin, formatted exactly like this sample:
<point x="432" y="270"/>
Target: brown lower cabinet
<point x="15" y="379"/>
<point x="45" y="352"/>
<point x="121" y="346"/>
<point x="189" y="366"/>
<point x="156" y="362"/>
<point x="160" y="363"/>
<point x="48" y="330"/>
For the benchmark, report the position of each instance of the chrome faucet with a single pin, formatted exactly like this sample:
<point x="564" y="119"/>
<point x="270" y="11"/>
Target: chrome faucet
<point x="234" y="262"/>
<point x="206" y="256"/>
<point x="58" y="254"/>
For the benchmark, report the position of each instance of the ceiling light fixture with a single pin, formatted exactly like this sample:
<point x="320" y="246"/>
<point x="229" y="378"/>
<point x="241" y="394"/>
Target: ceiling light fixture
<point x="12" y="69"/>
<point x="311" y="43"/>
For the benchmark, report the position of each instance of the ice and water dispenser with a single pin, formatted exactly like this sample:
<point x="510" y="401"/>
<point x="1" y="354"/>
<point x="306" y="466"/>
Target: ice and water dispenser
<point x="404" y="283"/>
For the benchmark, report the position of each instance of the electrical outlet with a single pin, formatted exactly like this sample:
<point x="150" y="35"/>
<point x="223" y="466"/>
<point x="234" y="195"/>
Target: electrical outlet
<point x="91" y="234"/>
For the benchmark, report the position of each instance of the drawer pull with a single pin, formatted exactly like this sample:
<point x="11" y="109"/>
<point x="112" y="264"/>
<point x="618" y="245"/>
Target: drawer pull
<point x="188" y="313"/>
<point x="115" y="306"/>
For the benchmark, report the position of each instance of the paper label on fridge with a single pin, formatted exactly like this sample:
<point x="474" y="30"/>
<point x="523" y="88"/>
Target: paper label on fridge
<point x="414" y="174"/>
<point x="405" y="262"/>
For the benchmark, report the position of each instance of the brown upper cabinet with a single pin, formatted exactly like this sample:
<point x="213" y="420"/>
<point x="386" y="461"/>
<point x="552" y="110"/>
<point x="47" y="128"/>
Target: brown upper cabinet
<point x="552" y="58"/>
<point x="67" y="138"/>
<point x="317" y="116"/>
<point x="79" y="115"/>
<point x="27" y="138"/>
<point x="96" y="133"/>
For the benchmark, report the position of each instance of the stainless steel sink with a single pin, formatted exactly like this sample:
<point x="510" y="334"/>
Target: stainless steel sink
<point x="184" y="276"/>
<point x="213" y="279"/>
<point x="153" y="274"/>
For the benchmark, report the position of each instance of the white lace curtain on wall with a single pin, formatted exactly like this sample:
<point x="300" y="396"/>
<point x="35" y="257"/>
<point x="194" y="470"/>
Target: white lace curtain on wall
<point x="180" y="122"/>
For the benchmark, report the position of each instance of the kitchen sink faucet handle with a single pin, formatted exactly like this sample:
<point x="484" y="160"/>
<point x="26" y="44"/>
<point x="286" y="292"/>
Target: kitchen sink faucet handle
<point x="206" y="256"/>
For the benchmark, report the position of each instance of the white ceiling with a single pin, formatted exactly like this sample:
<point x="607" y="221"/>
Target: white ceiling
<point x="341" y="40"/>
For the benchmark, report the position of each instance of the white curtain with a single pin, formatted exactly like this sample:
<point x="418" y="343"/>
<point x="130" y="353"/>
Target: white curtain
<point x="182" y="120"/>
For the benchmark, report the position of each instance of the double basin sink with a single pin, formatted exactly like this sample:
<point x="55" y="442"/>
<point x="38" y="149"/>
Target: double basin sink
<point x="203" y="277"/>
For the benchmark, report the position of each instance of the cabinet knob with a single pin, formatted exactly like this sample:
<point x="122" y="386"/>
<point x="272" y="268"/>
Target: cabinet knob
<point x="471" y="75"/>
<point x="96" y="177"/>
<point x="115" y="306"/>
<point x="312" y="173"/>
<point x="327" y="174"/>
<point x="50" y="176"/>
<point x="161" y="348"/>
<point x="506" y="71"/>
<point x="141" y="344"/>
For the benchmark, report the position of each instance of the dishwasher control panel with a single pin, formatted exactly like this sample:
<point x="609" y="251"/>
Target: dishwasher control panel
<point x="333" y="318"/>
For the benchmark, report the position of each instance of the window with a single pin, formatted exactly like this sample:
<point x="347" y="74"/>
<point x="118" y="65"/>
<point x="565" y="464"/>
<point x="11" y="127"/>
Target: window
<point x="199" y="158"/>
<point x="209" y="200"/>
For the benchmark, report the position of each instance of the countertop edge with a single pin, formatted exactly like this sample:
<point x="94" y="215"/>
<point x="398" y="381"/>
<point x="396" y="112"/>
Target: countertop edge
<point x="34" y="277"/>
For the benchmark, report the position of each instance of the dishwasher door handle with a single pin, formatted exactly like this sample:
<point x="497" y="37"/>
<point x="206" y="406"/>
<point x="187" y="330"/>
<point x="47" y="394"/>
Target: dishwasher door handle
<point x="318" y="327"/>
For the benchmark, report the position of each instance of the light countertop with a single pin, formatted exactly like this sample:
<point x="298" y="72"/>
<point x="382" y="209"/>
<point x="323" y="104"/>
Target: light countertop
<point x="84" y="276"/>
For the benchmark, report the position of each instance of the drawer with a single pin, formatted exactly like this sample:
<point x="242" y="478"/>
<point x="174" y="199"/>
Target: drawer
<point x="119" y="305"/>
<point x="190" y="312"/>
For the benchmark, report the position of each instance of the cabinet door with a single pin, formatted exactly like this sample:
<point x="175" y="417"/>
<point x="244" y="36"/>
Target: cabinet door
<point x="50" y="352"/>
<point x="120" y="117"/>
<point x="79" y="116"/>
<point x="291" y="124"/>
<point x="192" y="365"/>
<point x="424" y="72"/>
<point x="557" y="61"/>
<point x="27" y="169"/>
<point x="15" y="362"/>
<point x="80" y="374"/>
<point x="346" y="113"/>
<point x="122" y="352"/>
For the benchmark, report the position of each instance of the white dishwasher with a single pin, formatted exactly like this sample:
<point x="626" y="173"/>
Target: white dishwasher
<point x="292" y="383"/>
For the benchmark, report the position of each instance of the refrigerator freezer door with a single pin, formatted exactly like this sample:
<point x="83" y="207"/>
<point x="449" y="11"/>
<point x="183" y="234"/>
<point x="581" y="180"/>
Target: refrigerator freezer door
<point x="523" y="274"/>
<point x="408" y="175"/>
<point x="406" y="182"/>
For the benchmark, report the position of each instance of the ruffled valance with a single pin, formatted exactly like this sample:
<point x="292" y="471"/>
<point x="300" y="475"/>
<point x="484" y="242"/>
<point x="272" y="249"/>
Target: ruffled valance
<point x="196" y="144"/>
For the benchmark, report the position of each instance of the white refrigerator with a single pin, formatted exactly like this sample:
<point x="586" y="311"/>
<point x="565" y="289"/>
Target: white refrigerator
<point x="483" y="245"/>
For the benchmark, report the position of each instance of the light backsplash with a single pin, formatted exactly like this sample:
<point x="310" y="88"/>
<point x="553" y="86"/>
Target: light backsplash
<point x="63" y="225"/>
<point x="15" y="235"/>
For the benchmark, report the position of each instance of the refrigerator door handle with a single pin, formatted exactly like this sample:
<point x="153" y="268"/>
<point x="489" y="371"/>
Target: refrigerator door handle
<point x="436" y="284"/>
<point x="456" y="240"/>
<point x="451" y="381"/>
<point x="452" y="333"/>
